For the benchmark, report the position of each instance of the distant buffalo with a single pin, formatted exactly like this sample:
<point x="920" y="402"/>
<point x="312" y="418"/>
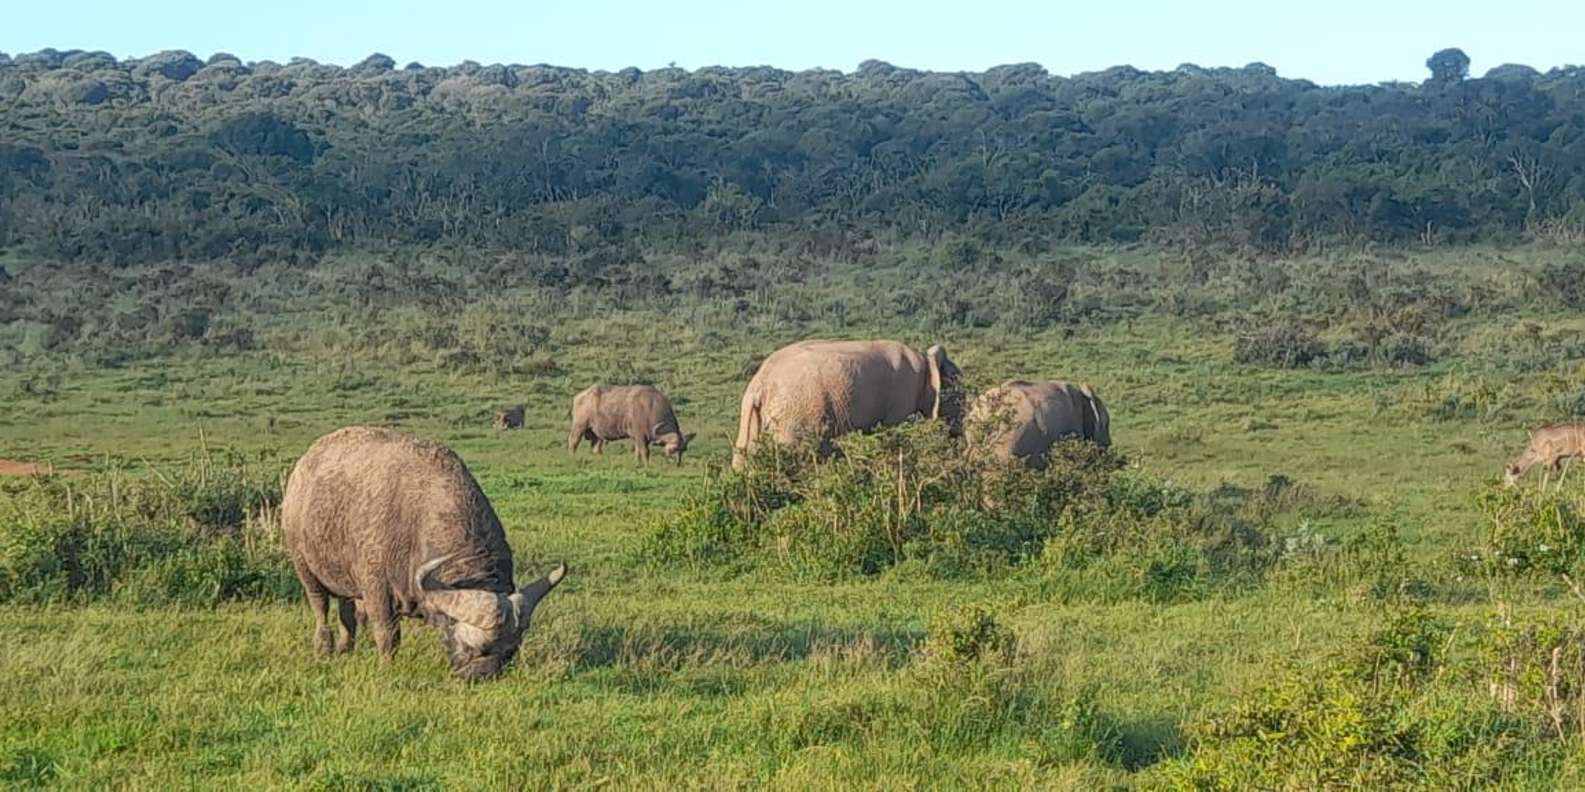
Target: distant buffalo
<point x="603" y="413"/>
<point x="394" y="526"/>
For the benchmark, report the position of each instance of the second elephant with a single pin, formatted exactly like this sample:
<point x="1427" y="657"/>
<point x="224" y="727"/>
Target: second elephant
<point x="1020" y="420"/>
<point x="812" y="391"/>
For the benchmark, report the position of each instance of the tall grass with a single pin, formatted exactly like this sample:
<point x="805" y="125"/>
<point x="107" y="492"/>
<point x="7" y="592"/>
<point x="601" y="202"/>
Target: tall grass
<point x="195" y="534"/>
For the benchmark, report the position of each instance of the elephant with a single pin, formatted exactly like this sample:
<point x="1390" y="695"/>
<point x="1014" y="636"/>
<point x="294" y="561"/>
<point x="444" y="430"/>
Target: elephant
<point x="1020" y="420"/>
<point x="816" y="390"/>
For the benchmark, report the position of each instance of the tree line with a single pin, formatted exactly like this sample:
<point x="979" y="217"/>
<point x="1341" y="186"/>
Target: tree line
<point x="172" y="157"/>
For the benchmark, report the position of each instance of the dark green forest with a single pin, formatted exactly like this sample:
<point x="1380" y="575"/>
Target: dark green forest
<point x="171" y="157"/>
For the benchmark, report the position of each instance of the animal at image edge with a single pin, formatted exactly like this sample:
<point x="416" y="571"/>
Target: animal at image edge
<point x="1549" y="445"/>
<point x="603" y="413"/>
<point x="392" y="526"/>
<point x="813" y="391"/>
<point x="1021" y="420"/>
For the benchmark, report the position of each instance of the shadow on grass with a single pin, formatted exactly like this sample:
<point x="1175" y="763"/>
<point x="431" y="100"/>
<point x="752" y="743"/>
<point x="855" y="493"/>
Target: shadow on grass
<point x="736" y="646"/>
<point x="1148" y="740"/>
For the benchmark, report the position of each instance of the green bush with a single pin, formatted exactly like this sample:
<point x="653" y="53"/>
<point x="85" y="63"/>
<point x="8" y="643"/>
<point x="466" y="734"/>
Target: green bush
<point x="1535" y="669"/>
<point x="1371" y="561"/>
<point x="968" y="635"/>
<point x="912" y="500"/>
<point x="1404" y="349"/>
<point x="906" y="494"/>
<point x="1154" y="540"/>
<point x="1387" y="712"/>
<point x="1530" y="530"/>
<point x="200" y="534"/>
<point x="1283" y="344"/>
<point x="1458" y="399"/>
<point x="1564" y="281"/>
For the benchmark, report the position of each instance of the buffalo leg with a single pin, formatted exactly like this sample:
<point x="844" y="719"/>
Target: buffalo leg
<point x="641" y="449"/>
<point x="382" y="622"/>
<point x="348" y="611"/>
<point x="319" y="601"/>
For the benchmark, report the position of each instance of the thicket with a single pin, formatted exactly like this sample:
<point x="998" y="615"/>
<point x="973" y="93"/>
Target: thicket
<point x="966" y="690"/>
<point x="911" y="500"/>
<point x="1422" y="702"/>
<point x="195" y="534"/>
<point x="473" y="312"/>
<point x="171" y="157"/>
<point x="1400" y="709"/>
<point x="1532" y="531"/>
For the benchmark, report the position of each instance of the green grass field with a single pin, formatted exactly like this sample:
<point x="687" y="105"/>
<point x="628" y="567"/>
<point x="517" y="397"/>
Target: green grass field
<point x="645" y="674"/>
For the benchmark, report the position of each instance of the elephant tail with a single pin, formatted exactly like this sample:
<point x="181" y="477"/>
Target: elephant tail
<point x="750" y="425"/>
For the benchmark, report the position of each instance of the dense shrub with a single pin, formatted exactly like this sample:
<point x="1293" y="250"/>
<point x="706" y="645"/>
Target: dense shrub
<point x="1404" y="349"/>
<point x="1389" y="711"/>
<point x="1370" y="561"/>
<point x="199" y="534"/>
<point x="1530" y="530"/>
<point x="911" y="499"/>
<point x="262" y="160"/>
<point x="1564" y="282"/>
<point x="1456" y="398"/>
<point x="1535" y="669"/>
<point x="968" y="635"/>
<point x="1279" y="345"/>
<point x="906" y="494"/>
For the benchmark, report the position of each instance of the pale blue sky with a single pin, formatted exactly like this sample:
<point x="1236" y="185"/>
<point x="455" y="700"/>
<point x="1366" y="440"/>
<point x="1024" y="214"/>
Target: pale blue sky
<point x="1335" y="41"/>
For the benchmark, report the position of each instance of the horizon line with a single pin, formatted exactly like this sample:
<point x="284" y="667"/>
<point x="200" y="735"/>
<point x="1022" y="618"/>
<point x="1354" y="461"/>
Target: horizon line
<point x="672" y="66"/>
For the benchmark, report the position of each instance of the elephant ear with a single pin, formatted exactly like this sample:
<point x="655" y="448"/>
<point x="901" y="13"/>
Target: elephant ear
<point x="943" y="375"/>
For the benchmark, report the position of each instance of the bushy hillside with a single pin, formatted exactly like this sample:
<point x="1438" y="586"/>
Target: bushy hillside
<point x="170" y="156"/>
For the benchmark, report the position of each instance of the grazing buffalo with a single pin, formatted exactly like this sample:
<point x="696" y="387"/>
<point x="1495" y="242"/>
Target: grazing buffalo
<point x="603" y="413"/>
<point x="392" y="526"/>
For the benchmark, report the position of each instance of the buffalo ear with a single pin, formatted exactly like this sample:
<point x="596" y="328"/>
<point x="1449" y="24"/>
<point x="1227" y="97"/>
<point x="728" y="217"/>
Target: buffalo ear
<point x="687" y="439"/>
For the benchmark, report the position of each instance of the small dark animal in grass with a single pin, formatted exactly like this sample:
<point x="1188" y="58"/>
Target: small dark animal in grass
<point x="603" y="413"/>
<point x="394" y="526"/>
<point x="1550" y="445"/>
<point x="509" y="418"/>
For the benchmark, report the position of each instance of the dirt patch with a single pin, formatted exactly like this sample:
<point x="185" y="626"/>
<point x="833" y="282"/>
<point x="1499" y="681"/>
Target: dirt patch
<point x="12" y="467"/>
